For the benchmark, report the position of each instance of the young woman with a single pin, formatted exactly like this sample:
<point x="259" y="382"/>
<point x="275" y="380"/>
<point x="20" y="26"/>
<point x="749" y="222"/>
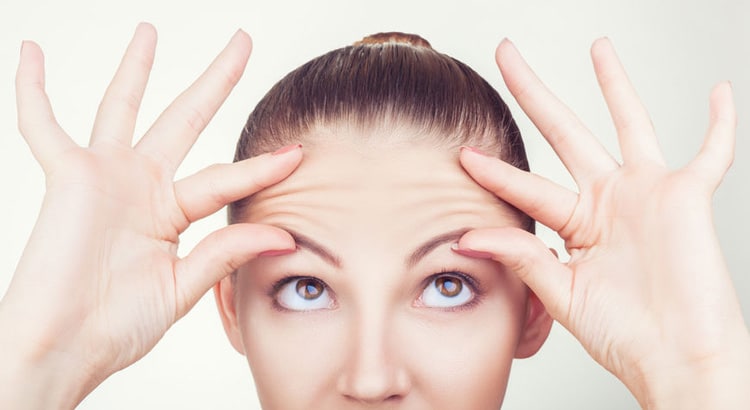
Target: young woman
<point x="389" y="268"/>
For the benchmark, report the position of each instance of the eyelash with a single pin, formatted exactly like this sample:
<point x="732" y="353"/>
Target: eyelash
<point x="473" y="284"/>
<point x="273" y="291"/>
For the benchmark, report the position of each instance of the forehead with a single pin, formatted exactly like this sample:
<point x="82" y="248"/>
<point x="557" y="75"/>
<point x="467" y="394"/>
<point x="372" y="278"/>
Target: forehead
<point x="354" y="193"/>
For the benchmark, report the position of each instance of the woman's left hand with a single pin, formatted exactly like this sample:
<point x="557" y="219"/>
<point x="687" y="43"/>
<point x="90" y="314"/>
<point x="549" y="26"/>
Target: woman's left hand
<point x="646" y="289"/>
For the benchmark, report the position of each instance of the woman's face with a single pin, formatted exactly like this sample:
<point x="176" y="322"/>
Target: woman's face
<point x="374" y="309"/>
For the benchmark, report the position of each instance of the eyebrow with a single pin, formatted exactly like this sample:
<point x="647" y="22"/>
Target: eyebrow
<point x="304" y="242"/>
<point x="430" y="245"/>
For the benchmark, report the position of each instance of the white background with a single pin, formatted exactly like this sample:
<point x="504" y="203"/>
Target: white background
<point x="674" y="51"/>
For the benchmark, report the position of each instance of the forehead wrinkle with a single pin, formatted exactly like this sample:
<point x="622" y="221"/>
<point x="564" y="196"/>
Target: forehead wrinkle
<point x="396" y="195"/>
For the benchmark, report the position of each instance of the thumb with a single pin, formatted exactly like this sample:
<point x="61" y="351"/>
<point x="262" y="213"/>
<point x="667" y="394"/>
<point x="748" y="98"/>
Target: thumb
<point x="527" y="256"/>
<point x="221" y="253"/>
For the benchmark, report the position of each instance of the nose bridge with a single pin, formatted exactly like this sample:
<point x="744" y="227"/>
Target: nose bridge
<point x="374" y="371"/>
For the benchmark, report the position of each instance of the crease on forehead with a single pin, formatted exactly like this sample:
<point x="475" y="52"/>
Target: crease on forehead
<point x="420" y="182"/>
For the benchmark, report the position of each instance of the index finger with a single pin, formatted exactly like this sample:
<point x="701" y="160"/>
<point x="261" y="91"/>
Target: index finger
<point x="211" y="189"/>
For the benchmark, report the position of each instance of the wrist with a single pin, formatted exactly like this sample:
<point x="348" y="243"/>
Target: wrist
<point x="717" y="382"/>
<point x="35" y="379"/>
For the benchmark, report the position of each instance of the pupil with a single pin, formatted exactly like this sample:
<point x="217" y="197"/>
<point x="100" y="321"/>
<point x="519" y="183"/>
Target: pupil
<point x="309" y="289"/>
<point x="449" y="287"/>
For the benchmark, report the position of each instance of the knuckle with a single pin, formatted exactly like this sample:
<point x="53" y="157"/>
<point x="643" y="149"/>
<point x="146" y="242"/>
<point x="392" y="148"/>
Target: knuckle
<point x="229" y="75"/>
<point x="195" y="120"/>
<point x="215" y="192"/>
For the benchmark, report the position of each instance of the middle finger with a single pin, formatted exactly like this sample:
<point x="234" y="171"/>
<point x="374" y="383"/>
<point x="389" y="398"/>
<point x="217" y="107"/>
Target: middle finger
<point x="177" y="128"/>
<point x="581" y="153"/>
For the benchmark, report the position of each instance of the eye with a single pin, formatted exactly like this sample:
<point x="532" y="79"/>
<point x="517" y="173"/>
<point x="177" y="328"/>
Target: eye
<point x="447" y="291"/>
<point x="303" y="293"/>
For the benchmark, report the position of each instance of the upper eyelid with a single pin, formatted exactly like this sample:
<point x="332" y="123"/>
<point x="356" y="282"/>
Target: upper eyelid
<point x="475" y="283"/>
<point x="280" y="283"/>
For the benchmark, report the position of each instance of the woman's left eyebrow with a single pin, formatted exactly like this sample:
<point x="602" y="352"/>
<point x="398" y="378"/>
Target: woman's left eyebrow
<point x="430" y="245"/>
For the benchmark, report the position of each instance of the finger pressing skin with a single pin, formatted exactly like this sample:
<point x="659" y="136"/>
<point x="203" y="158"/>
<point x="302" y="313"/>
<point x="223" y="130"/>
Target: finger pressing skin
<point x="525" y="255"/>
<point x="578" y="149"/>
<point x="209" y="190"/>
<point x="177" y="128"/>
<point x="115" y="120"/>
<point x="635" y="131"/>
<point x="222" y="253"/>
<point x="541" y="199"/>
<point x="717" y="153"/>
<point x="36" y="121"/>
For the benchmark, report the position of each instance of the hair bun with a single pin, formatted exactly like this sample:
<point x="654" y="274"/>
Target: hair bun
<point x="394" y="37"/>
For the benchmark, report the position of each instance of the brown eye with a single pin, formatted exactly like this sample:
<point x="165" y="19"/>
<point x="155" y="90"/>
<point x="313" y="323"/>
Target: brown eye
<point x="309" y="288"/>
<point x="304" y="293"/>
<point x="447" y="291"/>
<point x="449" y="286"/>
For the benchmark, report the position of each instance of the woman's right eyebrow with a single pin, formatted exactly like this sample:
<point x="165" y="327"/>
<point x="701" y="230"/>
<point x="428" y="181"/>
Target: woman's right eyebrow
<point x="304" y="242"/>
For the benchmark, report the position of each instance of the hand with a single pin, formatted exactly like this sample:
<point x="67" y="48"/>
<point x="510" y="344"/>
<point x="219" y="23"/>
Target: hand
<point x="646" y="290"/>
<point x="100" y="282"/>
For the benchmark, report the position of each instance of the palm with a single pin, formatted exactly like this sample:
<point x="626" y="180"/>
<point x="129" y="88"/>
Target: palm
<point x="645" y="278"/>
<point x="102" y="259"/>
<point x="618" y="237"/>
<point x="133" y="227"/>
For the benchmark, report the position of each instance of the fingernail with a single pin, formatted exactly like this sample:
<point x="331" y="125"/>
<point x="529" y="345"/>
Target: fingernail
<point x="286" y="149"/>
<point x="470" y="252"/>
<point x="474" y="149"/>
<point x="277" y="252"/>
<point x="23" y="43"/>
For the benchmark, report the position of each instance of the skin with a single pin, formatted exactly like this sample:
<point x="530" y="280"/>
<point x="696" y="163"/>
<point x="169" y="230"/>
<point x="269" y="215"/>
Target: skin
<point x="639" y="235"/>
<point x="381" y="343"/>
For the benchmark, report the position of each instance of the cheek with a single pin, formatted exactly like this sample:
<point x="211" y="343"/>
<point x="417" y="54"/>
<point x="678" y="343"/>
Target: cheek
<point x="465" y="361"/>
<point x="452" y="359"/>
<point x="289" y="354"/>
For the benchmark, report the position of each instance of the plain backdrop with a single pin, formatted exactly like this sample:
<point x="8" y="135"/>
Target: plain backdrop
<point x="674" y="51"/>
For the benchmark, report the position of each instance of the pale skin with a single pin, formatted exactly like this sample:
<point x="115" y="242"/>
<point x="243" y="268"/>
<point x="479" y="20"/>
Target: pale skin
<point x="376" y="224"/>
<point x="109" y="227"/>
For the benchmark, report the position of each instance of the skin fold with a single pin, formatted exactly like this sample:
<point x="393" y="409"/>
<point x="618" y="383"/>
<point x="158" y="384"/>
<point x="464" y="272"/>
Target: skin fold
<point x="646" y="290"/>
<point x="380" y="344"/>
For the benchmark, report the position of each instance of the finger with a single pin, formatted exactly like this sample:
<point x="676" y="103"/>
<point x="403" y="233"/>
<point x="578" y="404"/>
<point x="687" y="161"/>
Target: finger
<point x="578" y="149"/>
<point x="220" y="254"/>
<point x="717" y="153"/>
<point x="635" y="131"/>
<point x="177" y="128"/>
<point x="209" y="190"/>
<point x="525" y="255"/>
<point x="537" y="197"/>
<point x="36" y="121"/>
<point x="115" y="120"/>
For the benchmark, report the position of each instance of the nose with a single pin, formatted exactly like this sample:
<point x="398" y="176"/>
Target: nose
<point x="374" y="372"/>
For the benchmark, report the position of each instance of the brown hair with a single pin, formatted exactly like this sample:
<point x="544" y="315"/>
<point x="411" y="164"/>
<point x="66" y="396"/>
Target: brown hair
<point x="383" y="81"/>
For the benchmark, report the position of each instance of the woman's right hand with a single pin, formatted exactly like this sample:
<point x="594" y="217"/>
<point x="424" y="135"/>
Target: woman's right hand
<point x="100" y="282"/>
